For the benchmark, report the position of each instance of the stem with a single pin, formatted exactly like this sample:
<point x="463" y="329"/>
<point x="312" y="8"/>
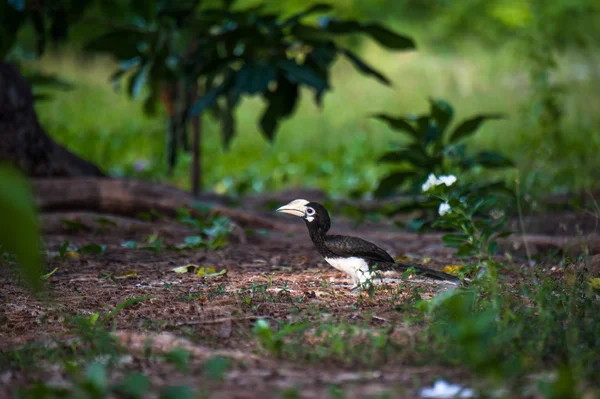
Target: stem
<point x="196" y="172"/>
<point x="521" y="221"/>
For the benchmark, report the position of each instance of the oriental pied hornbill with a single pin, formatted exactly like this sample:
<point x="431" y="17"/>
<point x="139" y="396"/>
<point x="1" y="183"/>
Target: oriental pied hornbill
<point x="352" y="255"/>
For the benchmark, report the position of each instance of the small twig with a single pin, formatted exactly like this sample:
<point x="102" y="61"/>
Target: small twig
<point x="521" y="221"/>
<point x="218" y="321"/>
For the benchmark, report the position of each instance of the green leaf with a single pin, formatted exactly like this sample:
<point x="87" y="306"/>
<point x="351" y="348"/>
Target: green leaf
<point x="96" y="375"/>
<point x="121" y="43"/>
<point x="315" y="8"/>
<point x="455" y="240"/>
<point x="362" y="66"/>
<point x="138" y="80"/>
<point x="129" y="244"/>
<point x="442" y="113"/>
<point x="470" y="126"/>
<point x="47" y="275"/>
<point x="388" y="184"/>
<point x="93" y="249"/>
<point x="42" y="80"/>
<point x="492" y="160"/>
<point x="413" y="156"/>
<point x="303" y="74"/>
<point x="400" y="124"/>
<point x="179" y="357"/>
<point x="20" y="232"/>
<point x="227" y="119"/>
<point x="377" y="31"/>
<point x="193" y="240"/>
<point x="254" y="78"/>
<point x="180" y="392"/>
<point x="210" y="272"/>
<point x="492" y="248"/>
<point x="134" y="385"/>
<point x="282" y="103"/>
<point x="216" y="368"/>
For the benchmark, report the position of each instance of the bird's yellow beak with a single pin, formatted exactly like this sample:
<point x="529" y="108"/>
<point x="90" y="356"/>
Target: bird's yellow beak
<point x="296" y="208"/>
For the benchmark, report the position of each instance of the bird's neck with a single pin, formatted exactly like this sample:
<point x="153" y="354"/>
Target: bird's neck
<point x="318" y="235"/>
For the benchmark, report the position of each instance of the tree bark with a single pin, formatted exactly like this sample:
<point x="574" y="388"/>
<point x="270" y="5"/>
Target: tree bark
<point x="24" y="142"/>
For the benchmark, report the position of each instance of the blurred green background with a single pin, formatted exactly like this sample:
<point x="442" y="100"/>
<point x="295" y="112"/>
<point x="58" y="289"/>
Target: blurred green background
<point x="535" y="61"/>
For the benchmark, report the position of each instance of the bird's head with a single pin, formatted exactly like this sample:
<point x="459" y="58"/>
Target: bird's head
<point x="314" y="214"/>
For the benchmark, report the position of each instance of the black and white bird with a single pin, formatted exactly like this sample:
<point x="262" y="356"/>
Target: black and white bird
<point x="361" y="259"/>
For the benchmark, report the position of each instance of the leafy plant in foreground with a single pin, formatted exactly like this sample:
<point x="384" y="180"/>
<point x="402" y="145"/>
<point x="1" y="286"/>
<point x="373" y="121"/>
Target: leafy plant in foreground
<point x="19" y="234"/>
<point x="434" y="148"/>
<point x="527" y="338"/>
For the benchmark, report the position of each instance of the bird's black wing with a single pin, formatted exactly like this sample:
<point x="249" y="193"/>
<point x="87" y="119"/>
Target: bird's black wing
<point x="345" y="247"/>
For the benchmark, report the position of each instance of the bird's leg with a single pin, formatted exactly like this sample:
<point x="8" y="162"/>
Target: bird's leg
<point x="356" y="288"/>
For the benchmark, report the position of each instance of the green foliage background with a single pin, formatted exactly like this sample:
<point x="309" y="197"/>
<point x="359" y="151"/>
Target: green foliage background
<point x="510" y="57"/>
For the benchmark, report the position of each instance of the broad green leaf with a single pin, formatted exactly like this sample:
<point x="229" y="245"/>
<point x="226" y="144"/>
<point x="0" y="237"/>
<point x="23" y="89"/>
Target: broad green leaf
<point x="19" y="234"/>
<point x="303" y="74"/>
<point x="362" y="66"/>
<point x="377" y="31"/>
<point x="282" y="103"/>
<point x="129" y="244"/>
<point x="391" y="182"/>
<point x="470" y="126"/>
<point x="400" y="124"/>
<point x="442" y="113"/>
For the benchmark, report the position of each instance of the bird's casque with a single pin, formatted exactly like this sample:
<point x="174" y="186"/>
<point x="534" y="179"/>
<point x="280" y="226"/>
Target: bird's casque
<point x="361" y="259"/>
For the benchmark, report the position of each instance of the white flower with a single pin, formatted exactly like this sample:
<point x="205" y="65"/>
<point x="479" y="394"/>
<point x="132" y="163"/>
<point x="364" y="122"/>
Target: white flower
<point x="442" y="389"/>
<point x="447" y="180"/>
<point x="432" y="181"/>
<point x="444" y="208"/>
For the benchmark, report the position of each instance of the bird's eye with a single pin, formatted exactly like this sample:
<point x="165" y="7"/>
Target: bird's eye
<point x="310" y="211"/>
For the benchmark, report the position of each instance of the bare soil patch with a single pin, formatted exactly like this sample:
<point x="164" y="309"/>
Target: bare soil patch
<point x="275" y="275"/>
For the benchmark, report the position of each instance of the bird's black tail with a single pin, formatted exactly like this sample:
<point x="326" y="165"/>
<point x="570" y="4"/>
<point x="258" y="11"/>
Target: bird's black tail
<point x="434" y="274"/>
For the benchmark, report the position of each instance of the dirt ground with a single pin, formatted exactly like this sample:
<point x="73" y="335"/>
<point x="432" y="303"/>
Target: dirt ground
<point x="274" y="275"/>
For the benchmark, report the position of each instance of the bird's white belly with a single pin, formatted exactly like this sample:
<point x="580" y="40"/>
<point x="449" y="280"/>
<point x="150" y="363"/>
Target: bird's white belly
<point x="355" y="267"/>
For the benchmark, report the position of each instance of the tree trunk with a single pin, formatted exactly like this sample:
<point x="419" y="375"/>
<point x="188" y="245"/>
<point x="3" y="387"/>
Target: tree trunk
<point x="23" y="142"/>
